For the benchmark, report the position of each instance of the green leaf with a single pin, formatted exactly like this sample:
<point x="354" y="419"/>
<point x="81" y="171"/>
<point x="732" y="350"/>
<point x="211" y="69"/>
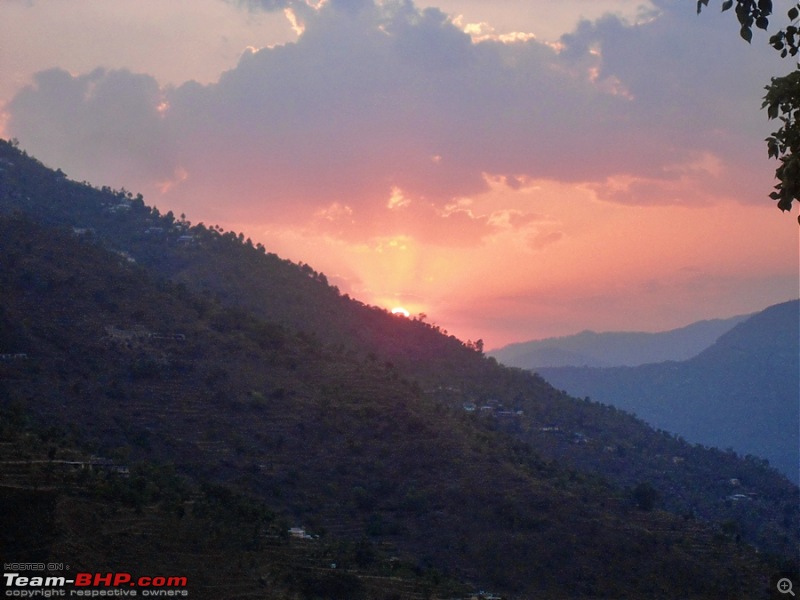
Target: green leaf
<point x="772" y="111"/>
<point x="727" y="5"/>
<point x="746" y="33"/>
<point x="772" y="149"/>
<point x="793" y="13"/>
<point x="762" y="22"/>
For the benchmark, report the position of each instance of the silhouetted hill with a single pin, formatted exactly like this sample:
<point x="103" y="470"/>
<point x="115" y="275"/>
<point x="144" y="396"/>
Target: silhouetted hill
<point x="216" y="263"/>
<point x="741" y="393"/>
<point x="423" y="466"/>
<point x="615" y="349"/>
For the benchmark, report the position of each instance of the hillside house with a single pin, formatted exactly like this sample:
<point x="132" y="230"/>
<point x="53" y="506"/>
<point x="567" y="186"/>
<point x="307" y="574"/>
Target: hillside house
<point x="121" y="207"/>
<point x="174" y="337"/>
<point x="94" y="464"/>
<point x="300" y="533"/>
<point x="510" y="414"/>
<point x="137" y="332"/>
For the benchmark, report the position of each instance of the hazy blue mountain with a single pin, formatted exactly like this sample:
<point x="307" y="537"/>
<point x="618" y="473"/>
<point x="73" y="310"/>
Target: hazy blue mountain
<point x="615" y="349"/>
<point x="740" y="393"/>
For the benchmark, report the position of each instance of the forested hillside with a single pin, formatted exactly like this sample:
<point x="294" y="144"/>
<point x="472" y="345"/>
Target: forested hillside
<point x="227" y="395"/>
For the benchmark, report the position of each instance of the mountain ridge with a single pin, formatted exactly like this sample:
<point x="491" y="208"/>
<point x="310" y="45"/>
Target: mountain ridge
<point x="741" y="392"/>
<point x="616" y="348"/>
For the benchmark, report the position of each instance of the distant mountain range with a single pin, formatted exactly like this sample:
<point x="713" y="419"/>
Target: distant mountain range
<point x="615" y="349"/>
<point x="742" y="392"/>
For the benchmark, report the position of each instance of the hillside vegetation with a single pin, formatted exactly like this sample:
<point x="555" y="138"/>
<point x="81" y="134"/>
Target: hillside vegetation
<point x="233" y="395"/>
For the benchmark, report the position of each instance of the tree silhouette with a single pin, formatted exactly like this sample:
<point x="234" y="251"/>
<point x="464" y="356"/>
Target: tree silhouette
<point x="782" y="99"/>
<point x="645" y="496"/>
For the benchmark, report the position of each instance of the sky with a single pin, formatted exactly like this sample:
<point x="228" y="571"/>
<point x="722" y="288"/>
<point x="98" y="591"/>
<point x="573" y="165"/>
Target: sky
<point x="513" y="170"/>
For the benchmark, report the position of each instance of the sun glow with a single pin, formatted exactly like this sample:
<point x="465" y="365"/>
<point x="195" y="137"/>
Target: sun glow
<point x="399" y="310"/>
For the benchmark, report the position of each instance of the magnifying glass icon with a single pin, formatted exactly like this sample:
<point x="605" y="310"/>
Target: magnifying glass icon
<point x="785" y="586"/>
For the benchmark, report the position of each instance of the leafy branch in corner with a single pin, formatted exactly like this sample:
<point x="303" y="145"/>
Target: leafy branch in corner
<point x="782" y="99"/>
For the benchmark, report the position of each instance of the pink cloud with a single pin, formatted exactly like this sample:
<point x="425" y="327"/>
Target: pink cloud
<point x="376" y="97"/>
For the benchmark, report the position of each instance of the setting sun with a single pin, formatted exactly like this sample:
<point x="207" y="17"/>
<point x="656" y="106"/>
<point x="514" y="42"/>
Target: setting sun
<point x="399" y="310"/>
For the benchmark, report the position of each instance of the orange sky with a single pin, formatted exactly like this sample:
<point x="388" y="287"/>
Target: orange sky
<point x="608" y="174"/>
